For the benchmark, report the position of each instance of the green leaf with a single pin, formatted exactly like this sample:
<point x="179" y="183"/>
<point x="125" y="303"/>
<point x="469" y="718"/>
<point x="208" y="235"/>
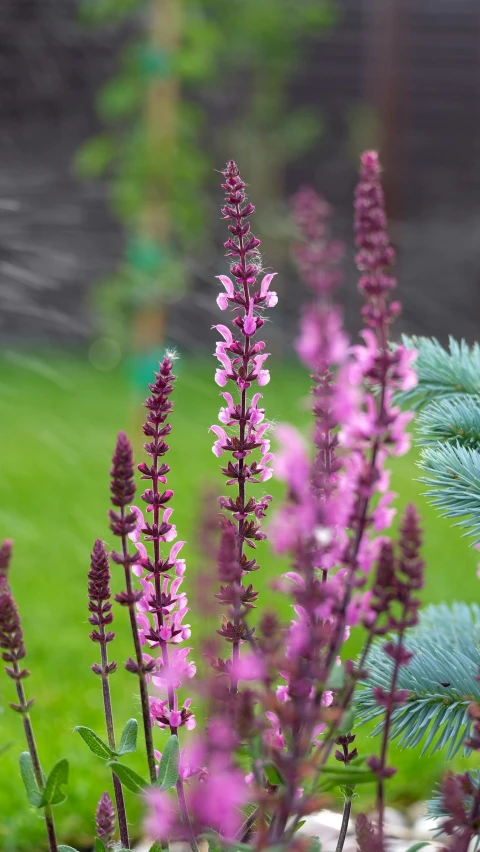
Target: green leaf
<point x="53" y="794"/>
<point x="155" y="848"/>
<point x="168" y="769"/>
<point x="95" y="744"/>
<point x="99" y="845"/>
<point x="130" y="779"/>
<point x="94" y="156"/>
<point x="273" y="776"/>
<point x="417" y="846"/>
<point x="63" y="848"/>
<point x="333" y="776"/>
<point x="34" y="795"/>
<point x="128" y="740"/>
<point x="337" y="678"/>
<point x="347" y="722"/>
<point x="119" y="98"/>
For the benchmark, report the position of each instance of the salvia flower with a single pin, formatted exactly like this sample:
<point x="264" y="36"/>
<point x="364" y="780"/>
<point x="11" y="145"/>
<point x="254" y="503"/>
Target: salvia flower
<point x="242" y="359"/>
<point x="13" y="648"/>
<point x="5" y="557"/>
<point x="105" y="819"/>
<point x="99" y="604"/>
<point x="163" y="607"/>
<point x="123" y="522"/>
<point x="101" y="617"/>
<point x="11" y="634"/>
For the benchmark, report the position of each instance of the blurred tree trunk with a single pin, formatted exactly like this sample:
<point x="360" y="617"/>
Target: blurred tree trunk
<point x="385" y="90"/>
<point x="164" y="23"/>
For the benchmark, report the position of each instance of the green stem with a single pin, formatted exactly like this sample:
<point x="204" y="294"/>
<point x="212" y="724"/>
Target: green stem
<point x="32" y="747"/>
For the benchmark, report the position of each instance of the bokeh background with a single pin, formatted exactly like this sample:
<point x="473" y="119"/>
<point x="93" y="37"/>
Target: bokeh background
<point x="116" y="117"/>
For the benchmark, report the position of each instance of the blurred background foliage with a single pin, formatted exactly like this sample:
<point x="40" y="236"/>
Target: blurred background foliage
<point x="157" y="148"/>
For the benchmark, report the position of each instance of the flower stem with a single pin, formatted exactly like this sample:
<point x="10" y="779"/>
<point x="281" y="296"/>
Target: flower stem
<point x="32" y="747"/>
<point x="185" y="816"/>
<point x="147" y="727"/>
<point x="347" y="807"/>
<point x="385" y="737"/>
<point x="107" y="706"/>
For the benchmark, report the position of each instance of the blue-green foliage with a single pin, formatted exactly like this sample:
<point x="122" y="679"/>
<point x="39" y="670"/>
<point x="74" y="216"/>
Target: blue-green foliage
<point x="441" y="680"/>
<point x="442" y="374"/>
<point x="453" y="477"/>
<point x="455" y="421"/>
<point x="448" y="426"/>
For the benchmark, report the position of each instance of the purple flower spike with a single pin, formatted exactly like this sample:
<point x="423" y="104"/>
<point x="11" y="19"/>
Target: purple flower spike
<point x="163" y="607"/>
<point x="105" y="819"/>
<point x="122" y="484"/>
<point x="123" y="524"/>
<point x="242" y="359"/>
<point x="99" y="602"/>
<point x="11" y="634"/>
<point x="5" y="557"/>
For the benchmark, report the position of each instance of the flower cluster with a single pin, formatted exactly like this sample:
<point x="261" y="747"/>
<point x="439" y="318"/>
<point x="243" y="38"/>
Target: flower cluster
<point x="11" y="634"/>
<point x="243" y="428"/>
<point x="329" y="523"/>
<point x="105" y="819"/>
<point x="99" y="603"/>
<point x="256" y="771"/>
<point x="13" y="648"/>
<point x="162" y="607"/>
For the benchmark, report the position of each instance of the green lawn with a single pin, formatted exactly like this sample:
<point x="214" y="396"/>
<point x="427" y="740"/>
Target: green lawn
<point x="59" y="421"/>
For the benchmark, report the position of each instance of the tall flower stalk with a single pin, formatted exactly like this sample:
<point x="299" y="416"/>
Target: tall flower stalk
<point x="101" y="617"/>
<point x="163" y="606"/>
<point x="123" y="523"/>
<point x="242" y="360"/>
<point x="407" y="580"/>
<point x="12" y="644"/>
<point x="377" y="429"/>
<point x="329" y="520"/>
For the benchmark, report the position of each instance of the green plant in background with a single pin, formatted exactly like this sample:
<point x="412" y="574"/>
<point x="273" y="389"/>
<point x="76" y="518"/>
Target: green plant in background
<point x="442" y="679"/>
<point x="176" y="74"/>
